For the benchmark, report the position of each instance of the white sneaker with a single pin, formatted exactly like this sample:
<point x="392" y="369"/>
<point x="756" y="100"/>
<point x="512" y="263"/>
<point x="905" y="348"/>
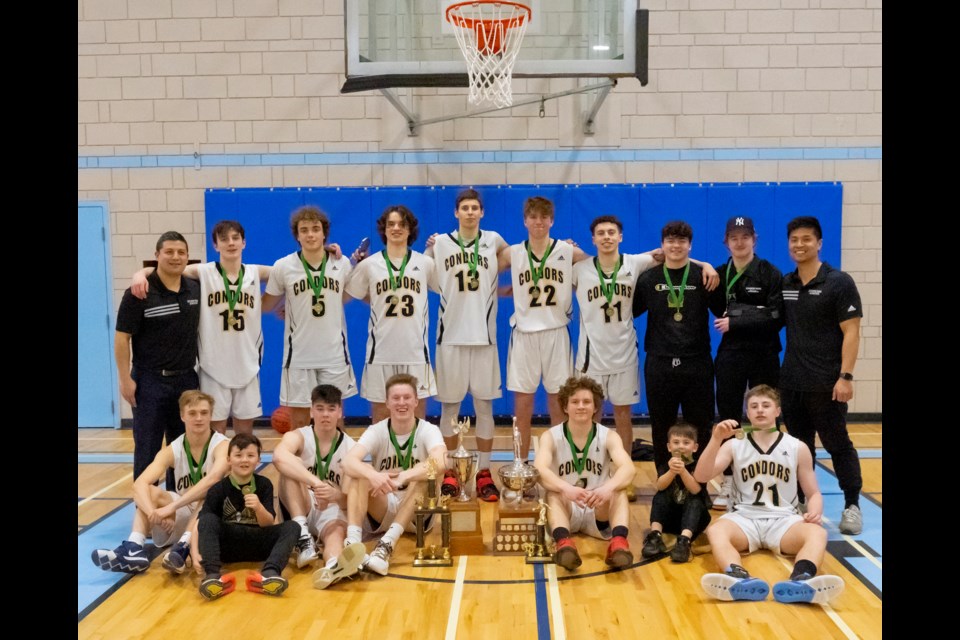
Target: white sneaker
<point x="306" y="551"/>
<point x="723" y="501"/>
<point x="851" y="521"/>
<point x="347" y="564"/>
<point x="379" y="560"/>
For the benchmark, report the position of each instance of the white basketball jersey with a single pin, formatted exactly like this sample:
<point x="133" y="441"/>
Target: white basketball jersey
<point x="181" y="468"/>
<point x="468" y="310"/>
<point x="398" y="319"/>
<point x="314" y="330"/>
<point x="308" y="454"/>
<point x="552" y="305"/>
<point x="608" y="339"/>
<point x="597" y="467"/>
<point x="376" y="440"/>
<point x="230" y="352"/>
<point x="765" y="484"/>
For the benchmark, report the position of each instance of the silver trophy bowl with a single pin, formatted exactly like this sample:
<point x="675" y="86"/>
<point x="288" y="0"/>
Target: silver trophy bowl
<point x="517" y="478"/>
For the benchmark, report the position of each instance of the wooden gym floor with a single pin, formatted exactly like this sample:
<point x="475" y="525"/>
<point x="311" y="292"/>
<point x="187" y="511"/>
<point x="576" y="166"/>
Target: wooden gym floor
<point x="484" y="597"/>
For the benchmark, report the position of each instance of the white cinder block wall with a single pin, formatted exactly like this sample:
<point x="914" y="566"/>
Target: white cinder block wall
<point x="174" y="77"/>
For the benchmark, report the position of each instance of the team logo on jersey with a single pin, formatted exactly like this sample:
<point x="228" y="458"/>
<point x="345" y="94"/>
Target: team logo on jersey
<point x="852" y="308"/>
<point x="561" y="259"/>
<point x="675" y="362"/>
<point x="664" y="287"/>
<point x="415" y="268"/>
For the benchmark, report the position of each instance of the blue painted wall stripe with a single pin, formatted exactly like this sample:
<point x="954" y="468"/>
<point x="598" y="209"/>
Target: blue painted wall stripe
<point x="468" y="157"/>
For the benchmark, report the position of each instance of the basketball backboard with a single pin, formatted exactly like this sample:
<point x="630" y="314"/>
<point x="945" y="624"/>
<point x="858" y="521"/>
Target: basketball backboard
<point x="408" y="43"/>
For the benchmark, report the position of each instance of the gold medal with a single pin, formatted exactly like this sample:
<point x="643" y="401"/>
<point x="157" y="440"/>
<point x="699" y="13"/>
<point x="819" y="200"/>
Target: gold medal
<point x="609" y="311"/>
<point x="535" y="292"/>
<point x="678" y="316"/>
<point x="474" y="282"/>
<point x="740" y="434"/>
<point x="247" y="489"/>
<point x="394" y="300"/>
<point x="232" y="321"/>
<point x="318" y="308"/>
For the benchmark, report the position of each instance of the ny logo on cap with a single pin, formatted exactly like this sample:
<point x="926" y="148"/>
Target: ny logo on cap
<point x="739" y="222"/>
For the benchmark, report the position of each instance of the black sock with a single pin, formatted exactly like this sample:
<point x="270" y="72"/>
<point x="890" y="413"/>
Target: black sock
<point x="269" y="573"/>
<point x="803" y="566"/>
<point x="855" y="502"/>
<point x="560" y="533"/>
<point x="603" y="525"/>
<point x="620" y="531"/>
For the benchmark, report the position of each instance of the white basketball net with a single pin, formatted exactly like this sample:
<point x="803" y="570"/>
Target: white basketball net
<point x="489" y="34"/>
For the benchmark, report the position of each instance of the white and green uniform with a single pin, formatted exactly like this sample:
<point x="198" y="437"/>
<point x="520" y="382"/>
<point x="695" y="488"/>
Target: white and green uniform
<point x="765" y="482"/>
<point x="587" y="471"/>
<point x="314" y="328"/>
<point x="185" y="475"/>
<point x="230" y="342"/>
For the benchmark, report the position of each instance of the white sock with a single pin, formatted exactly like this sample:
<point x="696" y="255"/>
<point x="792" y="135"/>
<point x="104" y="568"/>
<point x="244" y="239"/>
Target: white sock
<point x="354" y="534"/>
<point x="393" y="534"/>
<point x="137" y="538"/>
<point x="484" y="462"/>
<point x="302" y="521"/>
<point x="185" y="538"/>
<point x="331" y="562"/>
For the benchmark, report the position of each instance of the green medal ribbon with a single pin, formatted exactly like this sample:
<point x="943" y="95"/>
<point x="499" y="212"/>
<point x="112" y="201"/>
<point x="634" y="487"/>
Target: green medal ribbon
<point x="607" y="289"/>
<point x="473" y="260"/>
<point x="579" y="455"/>
<point x="675" y="295"/>
<point x="196" y="470"/>
<point x="730" y="282"/>
<point x="323" y="466"/>
<point x="395" y="282"/>
<point x="537" y="273"/>
<point x="231" y="295"/>
<point x="748" y="429"/>
<point x="308" y="270"/>
<point x="404" y="453"/>
<point x="249" y="488"/>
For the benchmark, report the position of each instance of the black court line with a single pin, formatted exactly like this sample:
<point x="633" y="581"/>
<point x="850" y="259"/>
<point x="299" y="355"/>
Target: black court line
<point x="534" y="580"/>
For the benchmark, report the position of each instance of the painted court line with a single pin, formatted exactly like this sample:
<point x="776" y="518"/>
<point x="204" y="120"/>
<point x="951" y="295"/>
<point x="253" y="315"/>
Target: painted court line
<point x="833" y="615"/>
<point x="125" y="478"/>
<point x="556" y="607"/>
<point x="454" y="615"/>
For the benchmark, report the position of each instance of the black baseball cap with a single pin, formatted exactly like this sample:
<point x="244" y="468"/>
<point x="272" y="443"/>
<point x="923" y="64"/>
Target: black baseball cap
<point x="739" y="223"/>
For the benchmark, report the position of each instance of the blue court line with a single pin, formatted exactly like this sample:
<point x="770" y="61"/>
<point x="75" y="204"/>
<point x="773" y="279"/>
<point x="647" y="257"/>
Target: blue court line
<point x="478" y="157"/>
<point x="94" y="585"/>
<point x="543" y="609"/>
<point x="869" y="454"/>
<point x="871" y="537"/>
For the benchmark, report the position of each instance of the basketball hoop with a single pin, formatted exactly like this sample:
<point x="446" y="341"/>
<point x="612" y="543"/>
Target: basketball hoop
<point x="489" y="33"/>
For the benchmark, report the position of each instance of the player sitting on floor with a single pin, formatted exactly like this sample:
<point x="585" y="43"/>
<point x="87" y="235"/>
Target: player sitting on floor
<point x="382" y="495"/>
<point x="199" y="460"/>
<point x="585" y="470"/>
<point x="313" y="487"/>
<point x="767" y="466"/>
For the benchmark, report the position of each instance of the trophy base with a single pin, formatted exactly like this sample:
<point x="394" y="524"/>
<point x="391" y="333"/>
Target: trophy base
<point x="466" y="536"/>
<point x="433" y="562"/>
<point x="539" y="559"/>
<point x="515" y="528"/>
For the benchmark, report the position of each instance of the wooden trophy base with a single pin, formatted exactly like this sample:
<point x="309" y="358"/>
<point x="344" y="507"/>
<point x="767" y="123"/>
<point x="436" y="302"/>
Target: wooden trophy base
<point x="466" y="536"/>
<point x="515" y="528"/>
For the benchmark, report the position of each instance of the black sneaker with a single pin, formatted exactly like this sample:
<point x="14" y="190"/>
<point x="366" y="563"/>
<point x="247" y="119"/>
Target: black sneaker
<point x="681" y="551"/>
<point x="653" y="545"/>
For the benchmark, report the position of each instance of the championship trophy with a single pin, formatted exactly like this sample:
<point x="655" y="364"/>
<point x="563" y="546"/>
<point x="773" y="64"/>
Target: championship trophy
<point x="434" y="555"/>
<point x="517" y="523"/>
<point x="537" y="551"/>
<point x="466" y="535"/>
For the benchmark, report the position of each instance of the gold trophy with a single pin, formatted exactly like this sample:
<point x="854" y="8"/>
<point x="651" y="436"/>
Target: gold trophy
<point x="463" y="463"/>
<point x="433" y="555"/>
<point x="466" y="537"/>
<point x="537" y="551"/>
<point x="517" y="523"/>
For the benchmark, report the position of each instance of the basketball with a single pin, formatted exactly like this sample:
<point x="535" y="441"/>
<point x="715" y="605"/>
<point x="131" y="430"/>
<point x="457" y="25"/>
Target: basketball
<point x="280" y="419"/>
